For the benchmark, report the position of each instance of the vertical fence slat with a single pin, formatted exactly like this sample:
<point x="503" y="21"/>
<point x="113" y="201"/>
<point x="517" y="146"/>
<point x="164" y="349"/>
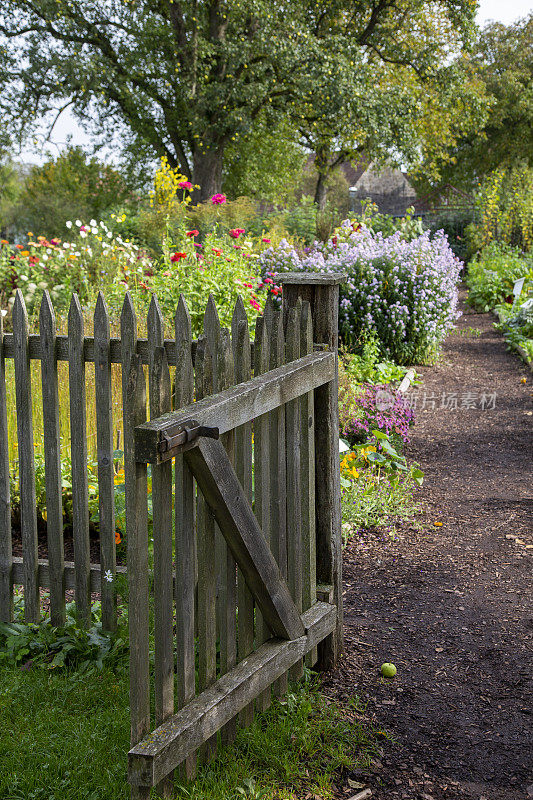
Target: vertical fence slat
<point x="307" y="464"/>
<point x="28" y="506"/>
<point x="78" y="441"/>
<point x="185" y="530"/>
<point x="52" y="461"/>
<point x="294" y="521"/>
<point x="207" y="572"/>
<point x="6" y="552"/>
<point x="261" y="476"/>
<point x="278" y="469"/>
<point x="159" y="392"/>
<point x="228" y="567"/>
<point x="134" y="413"/>
<point x="106" y="474"/>
<point x="243" y="467"/>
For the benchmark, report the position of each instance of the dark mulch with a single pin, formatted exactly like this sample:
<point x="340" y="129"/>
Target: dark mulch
<point x="451" y="606"/>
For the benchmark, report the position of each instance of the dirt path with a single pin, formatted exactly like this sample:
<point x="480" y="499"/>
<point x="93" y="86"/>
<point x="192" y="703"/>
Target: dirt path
<point x="452" y="606"/>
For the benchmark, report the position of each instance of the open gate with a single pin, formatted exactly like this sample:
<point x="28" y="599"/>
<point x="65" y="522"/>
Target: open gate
<point x="253" y="469"/>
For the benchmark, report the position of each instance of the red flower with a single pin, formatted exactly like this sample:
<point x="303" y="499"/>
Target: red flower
<point x="185" y="185"/>
<point x="217" y="251"/>
<point x="192" y="233"/>
<point x="236" y="232"/>
<point x="178" y="256"/>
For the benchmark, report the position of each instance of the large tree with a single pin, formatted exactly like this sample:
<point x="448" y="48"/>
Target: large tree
<point x="189" y="78"/>
<point x="503" y="60"/>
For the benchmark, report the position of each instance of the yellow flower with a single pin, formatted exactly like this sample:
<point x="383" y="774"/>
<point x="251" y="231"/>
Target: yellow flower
<point x="438" y="524"/>
<point x="354" y="472"/>
<point x="25" y="253"/>
<point x="30" y="234"/>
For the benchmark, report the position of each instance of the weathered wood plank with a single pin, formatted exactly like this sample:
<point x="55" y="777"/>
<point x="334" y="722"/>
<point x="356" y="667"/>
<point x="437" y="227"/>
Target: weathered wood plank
<point x="243" y="468"/>
<point x="28" y="505"/>
<point x="278" y="468"/>
<point x="324" y="298"/>
<point x="134" y="413"/>
<point x="206" y="548"/>
<point x="240" y="404"/>
<point x="294" y="497"/>
<point x="262" y="473"/>
<point x="104" y="457"/>
<point x="78" y="451"/>
<point x="52" y="461"/>
<point x="6" y="551"/>
<point x="183" y="733"/>
<point x="159" y="392"/>
<point x="228" y="568"/>
<point x="222" y="490"/>
<point x="185" y="530"/>
<point x="307" y="479"/>
<point x="69" y="574"/>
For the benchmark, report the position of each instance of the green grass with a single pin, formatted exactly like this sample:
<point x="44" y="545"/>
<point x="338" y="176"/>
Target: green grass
<point x="367" y="504"/>
<point x="64" y="736"/>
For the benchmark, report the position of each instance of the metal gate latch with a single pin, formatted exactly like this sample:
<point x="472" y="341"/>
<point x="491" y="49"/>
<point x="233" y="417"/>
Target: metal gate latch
<point x="183" y="433"/>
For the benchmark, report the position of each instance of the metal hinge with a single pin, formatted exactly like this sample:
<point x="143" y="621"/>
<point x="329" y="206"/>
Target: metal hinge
<point x="183" y="433"/>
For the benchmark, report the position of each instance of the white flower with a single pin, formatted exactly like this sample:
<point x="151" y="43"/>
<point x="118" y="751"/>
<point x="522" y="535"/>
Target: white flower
<point x="42" y="285"/>
<point x="78" y="223"/>
<point x="66" y="245"/>
<point x="68" y="223"/>
<point x="109" y="234"/>
<point x="83" y="234"/>
<point x="77" y="253"/>
<point x="94" y="230"/>
<point x="44" y="257"/>
<point x="93" y="223"/>
<point x="32" y="287"/>
<point x="108" y="576"/>
<point x="23" y="277"/>
<point x="3" y="312"/>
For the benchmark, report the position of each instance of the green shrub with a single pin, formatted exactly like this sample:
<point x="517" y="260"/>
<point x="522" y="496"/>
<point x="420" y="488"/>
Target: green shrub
<point x="493" y="273"/>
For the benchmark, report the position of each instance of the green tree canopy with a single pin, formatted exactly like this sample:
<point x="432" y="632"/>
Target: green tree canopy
<point x="503" y="60"/>
<point x="190" y="79"/>
<point x="69" y="187"/>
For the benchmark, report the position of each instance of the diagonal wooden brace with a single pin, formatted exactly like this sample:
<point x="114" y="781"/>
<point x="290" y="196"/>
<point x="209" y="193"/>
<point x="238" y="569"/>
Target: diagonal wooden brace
<point x="220" y="486"/>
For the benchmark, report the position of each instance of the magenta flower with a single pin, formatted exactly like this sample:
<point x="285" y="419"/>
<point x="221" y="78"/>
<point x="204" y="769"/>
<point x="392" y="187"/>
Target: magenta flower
<point x="218" y="199"/>
<point x="185" y="185"/>
<point x="236" y="232"/>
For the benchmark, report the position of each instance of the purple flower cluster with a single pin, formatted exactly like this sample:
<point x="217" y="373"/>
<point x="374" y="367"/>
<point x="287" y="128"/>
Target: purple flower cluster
<point x="405" y="292"/>
<point x="365" y="411"/>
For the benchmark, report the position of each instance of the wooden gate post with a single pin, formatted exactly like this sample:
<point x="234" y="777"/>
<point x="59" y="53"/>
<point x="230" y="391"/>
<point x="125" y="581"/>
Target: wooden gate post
<point x="322" y="292"/>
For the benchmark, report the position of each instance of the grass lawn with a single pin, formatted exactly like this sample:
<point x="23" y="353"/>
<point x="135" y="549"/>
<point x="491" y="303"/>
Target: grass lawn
<point x="64" y="736"/>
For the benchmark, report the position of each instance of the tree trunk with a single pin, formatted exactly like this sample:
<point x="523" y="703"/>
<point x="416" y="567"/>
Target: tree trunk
<point x="321" y="191"/>
<point x="207" y="174"/>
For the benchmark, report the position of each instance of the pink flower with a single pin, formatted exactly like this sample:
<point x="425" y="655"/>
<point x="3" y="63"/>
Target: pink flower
<point x="268" y="280"/>
<point x="83" y="228"/>
<point x="218" y="199"/>
<point x="236" y="232"/>
<point x="185" y="185"/>
<point x="266" y="241"/>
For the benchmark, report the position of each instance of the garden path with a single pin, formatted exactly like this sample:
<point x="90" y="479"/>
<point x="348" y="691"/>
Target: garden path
<point x="451" y="604"/>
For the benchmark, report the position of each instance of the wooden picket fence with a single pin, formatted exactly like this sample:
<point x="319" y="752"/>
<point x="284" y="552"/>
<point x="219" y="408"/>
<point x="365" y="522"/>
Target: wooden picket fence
<point x="246" y="577"/>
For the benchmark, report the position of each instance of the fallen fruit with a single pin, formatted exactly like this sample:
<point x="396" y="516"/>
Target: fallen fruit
<point x="388" y="670"/>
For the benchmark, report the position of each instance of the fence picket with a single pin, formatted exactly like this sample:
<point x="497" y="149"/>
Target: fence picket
<point x="207" y="572"/>
<point x="307" y="464"/>
<point x="294" y="526"/>
<point x="228" y="567"/>
<point x="159" y="392"/>
<point x="28" y="505"/>
<point x="261" y="477"/>
<point x="134" y="413"/>
<point x="106" y="473"/>
<point x="78" y="450"/>
<point x="52" y="461"/>
<point x="243" y="467"/>
<point x="278" y="468"/>
<point x="185" y="530"/>
<point x="6" y="550"/>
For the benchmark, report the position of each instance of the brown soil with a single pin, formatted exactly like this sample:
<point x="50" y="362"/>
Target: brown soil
<point x="451" y="606"/>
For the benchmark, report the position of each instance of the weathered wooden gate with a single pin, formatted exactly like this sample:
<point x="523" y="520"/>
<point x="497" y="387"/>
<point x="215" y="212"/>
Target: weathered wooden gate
<point x="256" y="588"/>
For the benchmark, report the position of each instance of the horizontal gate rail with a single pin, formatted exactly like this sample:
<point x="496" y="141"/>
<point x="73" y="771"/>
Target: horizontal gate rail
<point x="236" y="406"/>
<point x="182" y="734"/>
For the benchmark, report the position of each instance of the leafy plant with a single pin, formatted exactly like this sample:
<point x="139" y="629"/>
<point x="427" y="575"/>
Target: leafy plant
<point x="492" y="274"/>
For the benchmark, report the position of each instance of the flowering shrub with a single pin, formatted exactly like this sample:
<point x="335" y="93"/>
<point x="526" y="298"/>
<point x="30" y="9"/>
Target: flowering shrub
<point x="404" y="292"/>
<point x="367" y="407"/>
